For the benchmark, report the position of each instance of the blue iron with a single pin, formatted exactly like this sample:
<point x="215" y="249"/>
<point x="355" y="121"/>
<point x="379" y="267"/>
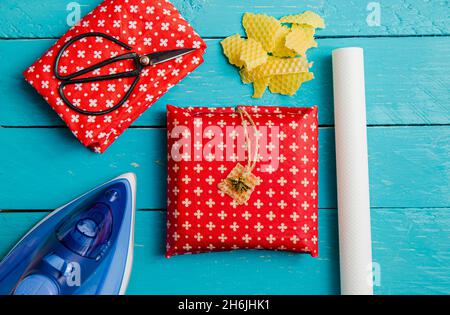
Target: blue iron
<point x="83" y="247"/>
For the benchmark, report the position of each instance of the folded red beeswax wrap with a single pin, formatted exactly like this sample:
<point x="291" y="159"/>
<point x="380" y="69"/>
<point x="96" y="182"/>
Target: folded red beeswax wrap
<point x="220" y="197"/>
<point x="146" y="27"/>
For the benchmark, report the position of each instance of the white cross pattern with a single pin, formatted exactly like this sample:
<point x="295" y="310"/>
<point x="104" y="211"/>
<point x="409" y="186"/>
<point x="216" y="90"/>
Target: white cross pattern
<point x="304" y="137"/>
<point x="222" y="237"/>
<point x="305" y="228"/>
<point x="294" y="170"/>
<point x="186" y="202"/>
<point x="259" y="227"/>
<point x="282" y="204"/>
<point x="305" y="182"/>
<point x="282" y="181"/>
<point x="305" y="159"/>
<point x="198" y="168"/>
<point x="210" y="226"/>
<point x="222" y="215"/>
<point x="186" y="179"/>
<point x="281" y="212"/>
<point x="234" y="226"/>
<point x="186" y="225"/>
<point x="246" y="215"/>
<point x="246" y="238"/>
<point x="258" y="204"/>
<point x="294" y="193"/>
<point x="282" y="227"/>
<point x="270" y="215"/>
<point x="270" y="238"/>
<point x="210" y="203"/>
<point x="187" y="247"/>
<point x="305" y="205"/>
<point x="198" y="191"/>
<point x="198" y="214"/>
<point x="293" y="147"/>
<point x="222" y="169"/>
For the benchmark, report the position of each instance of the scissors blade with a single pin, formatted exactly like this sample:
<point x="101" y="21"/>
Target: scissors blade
<point x="163" y="56"/>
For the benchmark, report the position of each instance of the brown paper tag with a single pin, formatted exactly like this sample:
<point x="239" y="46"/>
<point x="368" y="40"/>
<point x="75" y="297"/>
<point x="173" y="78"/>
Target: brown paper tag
<point x="238" y="187"/>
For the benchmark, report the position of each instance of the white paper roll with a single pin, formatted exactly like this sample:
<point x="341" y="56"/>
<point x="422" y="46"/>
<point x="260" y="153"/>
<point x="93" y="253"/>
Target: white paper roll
<point x="355" y="246"/>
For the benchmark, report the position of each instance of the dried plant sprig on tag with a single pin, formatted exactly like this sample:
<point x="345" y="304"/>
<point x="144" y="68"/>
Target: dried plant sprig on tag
<point x="239" y="184"/>
<point x="239" y="191"/>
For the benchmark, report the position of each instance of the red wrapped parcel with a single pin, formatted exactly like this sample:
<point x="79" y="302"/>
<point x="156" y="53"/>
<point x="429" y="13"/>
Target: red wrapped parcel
<point x="125" y="26"/>
<point x="242" y="178"/>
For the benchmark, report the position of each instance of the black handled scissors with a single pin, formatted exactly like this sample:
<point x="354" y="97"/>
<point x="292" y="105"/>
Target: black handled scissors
<point x="140" y="62"/>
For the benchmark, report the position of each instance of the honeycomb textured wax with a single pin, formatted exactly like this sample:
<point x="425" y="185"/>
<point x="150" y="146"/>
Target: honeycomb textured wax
<point x="253" y="54"/>
<point x="232" y="47"/>
<point x="280" y="49"/>
<point x="259" y="86"/>
<point x="288" y="84"/>
<point x="300" y="39"/>
<point x="262" y="28"/>
<point x="307" y="17"/>
<point x="275" y="66"/>
<point x="274" y="53"/>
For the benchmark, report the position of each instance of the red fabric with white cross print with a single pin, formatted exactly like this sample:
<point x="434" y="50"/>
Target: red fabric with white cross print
<point x="146" y="26"/>
<point x="204" y="146"/>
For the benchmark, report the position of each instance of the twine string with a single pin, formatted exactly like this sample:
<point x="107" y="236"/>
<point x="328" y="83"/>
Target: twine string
<point x="251" y="163"/>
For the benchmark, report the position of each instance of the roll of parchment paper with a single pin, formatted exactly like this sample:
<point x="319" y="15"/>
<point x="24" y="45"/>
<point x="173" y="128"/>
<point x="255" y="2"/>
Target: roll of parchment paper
<point x="355" y="246"/>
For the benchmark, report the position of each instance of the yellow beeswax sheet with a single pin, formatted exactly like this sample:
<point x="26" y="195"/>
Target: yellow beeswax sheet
<point x="274" y="53"/>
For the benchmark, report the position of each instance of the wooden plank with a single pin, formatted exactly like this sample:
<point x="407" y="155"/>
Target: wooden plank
<point x="227" y="272"/>
<point x="410" y="247"/>
<point x="400" y="90"/>
<point x="43" y="168"/>
<point x="215" y="18"/>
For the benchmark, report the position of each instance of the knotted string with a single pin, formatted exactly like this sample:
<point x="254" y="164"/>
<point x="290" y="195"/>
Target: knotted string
<point x="251" y="163"/>
<point x="240" y="182"/>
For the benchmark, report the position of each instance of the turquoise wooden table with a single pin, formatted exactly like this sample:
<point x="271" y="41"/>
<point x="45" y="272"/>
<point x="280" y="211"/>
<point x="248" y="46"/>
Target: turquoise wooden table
<point x="408" y="109"/>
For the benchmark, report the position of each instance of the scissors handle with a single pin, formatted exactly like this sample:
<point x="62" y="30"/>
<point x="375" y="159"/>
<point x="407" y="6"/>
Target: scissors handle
<point x="140" y="62"/>
<point x="63" y="49"/>
<point x="126" y="74"/>
<point x="106" y="77"/>
<point x="128" y="56"/>
<point x="72" y="78"/>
